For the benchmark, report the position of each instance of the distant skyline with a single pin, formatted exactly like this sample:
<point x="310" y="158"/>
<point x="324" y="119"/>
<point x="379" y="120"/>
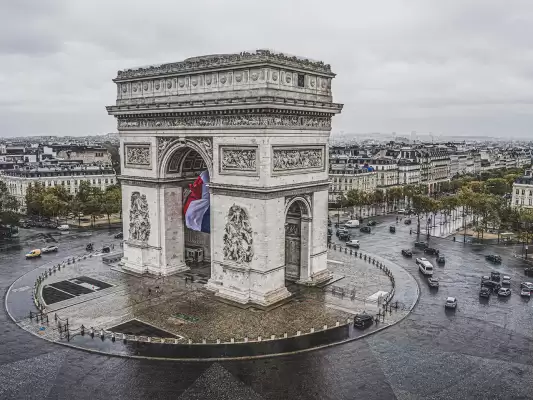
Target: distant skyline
<point x="455" y="68"/>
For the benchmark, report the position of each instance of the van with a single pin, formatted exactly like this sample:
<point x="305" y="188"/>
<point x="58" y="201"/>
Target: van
<point x="424" y="266"/>
<point x="63" y="227"/>
<point x="354" y="223"/>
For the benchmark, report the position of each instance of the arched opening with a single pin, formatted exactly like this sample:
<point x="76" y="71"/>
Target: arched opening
<point x="297" y="228"/>
<point x="183" y="164"/>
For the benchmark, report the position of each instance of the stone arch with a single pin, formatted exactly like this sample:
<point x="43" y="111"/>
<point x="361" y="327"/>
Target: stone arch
<point x="172" y="156"/>
<point x="298" y="227"/>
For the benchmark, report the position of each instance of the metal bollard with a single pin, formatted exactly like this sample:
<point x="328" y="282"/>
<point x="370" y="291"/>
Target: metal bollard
<point x="92" y="332"/>
<point x="82" y="329"/>
<point x="113" y="336"/>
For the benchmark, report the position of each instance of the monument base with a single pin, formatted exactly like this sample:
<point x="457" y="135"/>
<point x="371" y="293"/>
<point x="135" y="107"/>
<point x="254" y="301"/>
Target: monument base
<point x="316" y="279"/>
<point x="140" y="258"/>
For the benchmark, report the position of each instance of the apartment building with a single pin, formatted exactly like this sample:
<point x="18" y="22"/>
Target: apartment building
<point x="523" y="191"/>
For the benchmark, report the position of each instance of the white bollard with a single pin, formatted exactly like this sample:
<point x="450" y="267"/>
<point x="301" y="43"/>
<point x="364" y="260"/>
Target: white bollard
<point x="232" y="340"/>
<point x="272" y="337"/>
<point x="285" y="335"/>
<point x="337" y="323"/>
<point x="218" y="341"/>
<point x="245" y="340"/>
<point x="312" y="330"/>
<point x="259" y="338"/>
<point x="325" y="327"/>
<point x="298" y="333"/>
<point x="204" y="341"/>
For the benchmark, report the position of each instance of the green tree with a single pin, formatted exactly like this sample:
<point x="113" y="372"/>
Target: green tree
<point x="112" y="202"/>
<point x="9" y="206"/>
<point x="497" y="186"/>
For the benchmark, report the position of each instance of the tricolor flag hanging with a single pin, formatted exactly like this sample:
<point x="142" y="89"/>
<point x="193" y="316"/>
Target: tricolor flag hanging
<point x="196" y="208"/>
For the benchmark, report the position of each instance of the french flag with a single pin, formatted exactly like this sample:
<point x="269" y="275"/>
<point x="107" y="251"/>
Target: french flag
<point x="196" y="208"/>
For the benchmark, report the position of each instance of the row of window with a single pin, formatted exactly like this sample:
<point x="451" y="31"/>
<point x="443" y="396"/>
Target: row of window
<point x="524" y="192"/>
<point x="521" y="202"/>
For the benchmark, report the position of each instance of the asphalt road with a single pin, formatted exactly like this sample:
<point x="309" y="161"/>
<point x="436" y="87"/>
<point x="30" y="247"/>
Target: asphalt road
<point x="481" y="350"/>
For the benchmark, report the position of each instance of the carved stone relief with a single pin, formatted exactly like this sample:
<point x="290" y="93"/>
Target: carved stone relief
<point x="138" y="154"/>
<point x="238" y="236"/>
<point x="267" y="120"/>
<point x="139" y="218"/>
<point x="292" y="229"/>
<point x="205" y="144"/>
<point x="296" y="159"/>
<point x="238" y="159"/>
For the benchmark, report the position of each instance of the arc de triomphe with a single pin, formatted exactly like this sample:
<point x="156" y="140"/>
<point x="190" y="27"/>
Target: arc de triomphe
<point x="259" y="123"/>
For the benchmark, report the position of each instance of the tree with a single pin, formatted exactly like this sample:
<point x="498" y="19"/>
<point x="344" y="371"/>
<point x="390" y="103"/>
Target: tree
<point x="34" y="199"/>
<point x="8" y="207"/>
<point x="497" y="186"/>
<point x="112" y="202"/>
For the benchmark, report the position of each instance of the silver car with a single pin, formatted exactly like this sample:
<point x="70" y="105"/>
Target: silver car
<point x="451" y="302"/>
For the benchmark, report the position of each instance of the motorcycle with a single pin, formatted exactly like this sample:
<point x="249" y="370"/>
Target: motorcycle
<point x="89" y="247"/>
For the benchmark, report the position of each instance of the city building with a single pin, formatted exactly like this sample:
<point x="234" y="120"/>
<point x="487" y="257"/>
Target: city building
<point x="70" y="176"/>
<point x="523" y="191"/>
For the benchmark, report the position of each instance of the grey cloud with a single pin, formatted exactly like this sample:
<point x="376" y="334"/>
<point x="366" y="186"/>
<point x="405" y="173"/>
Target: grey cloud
<point x="460" y="66"/>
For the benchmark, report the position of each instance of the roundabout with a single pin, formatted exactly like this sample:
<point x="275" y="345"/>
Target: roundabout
<point x="483" y="349"/>
<point x="88" y="302"/>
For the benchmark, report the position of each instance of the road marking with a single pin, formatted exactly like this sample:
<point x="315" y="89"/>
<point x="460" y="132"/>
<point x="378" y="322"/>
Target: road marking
<point x="21" y="289"/>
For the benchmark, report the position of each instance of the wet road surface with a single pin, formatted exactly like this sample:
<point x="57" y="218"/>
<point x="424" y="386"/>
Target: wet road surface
<point x="481" y="350"/>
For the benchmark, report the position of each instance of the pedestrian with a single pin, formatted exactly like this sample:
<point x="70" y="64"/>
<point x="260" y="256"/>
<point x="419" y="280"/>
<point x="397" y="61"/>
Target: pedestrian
<point x="149" y="292"/>
<point x="410" y="231"/>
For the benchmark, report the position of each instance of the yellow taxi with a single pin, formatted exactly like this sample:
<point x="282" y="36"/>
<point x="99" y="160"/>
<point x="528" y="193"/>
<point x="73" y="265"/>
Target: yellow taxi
<point x="34" y="253"/>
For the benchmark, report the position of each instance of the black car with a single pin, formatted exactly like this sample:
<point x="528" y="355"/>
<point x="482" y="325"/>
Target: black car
<point x="495" y="276"/>
<point x="494" y="258"/>
<point x="371" y="223"/>
<point x="441" y="260"/>
<point x="495" y="286"/>
<point x="119" y="235"/>
<point x="365" y="229"/>
<point x="106" y="249"/>
<point x="407" y="221"/>
<point x="407" y="253"/>
<point x="431" y="250"/>
<point x="421" y="245"/>
<point x="344" y="236"/>
<point x="363" y="321"/>
<point x="484" y="292"/>
<point x="528" y="271"/>
<point x="392" y="229"/>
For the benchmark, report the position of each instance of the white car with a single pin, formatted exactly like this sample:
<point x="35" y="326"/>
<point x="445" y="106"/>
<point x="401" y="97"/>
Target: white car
<point x="63" y="227"/>
<point x="527" y="285"/>
<point x="49" y="249"/>
<point x="353" y="243"/>
<point x="525" y="292"/>
<point x="424" y="266"/>
<point x="451" y="302"/>
<point x="504" y="292"/>
<point x="506" y="280"/>
<point x="401" y="211"/>
<point x="354" y="223"/>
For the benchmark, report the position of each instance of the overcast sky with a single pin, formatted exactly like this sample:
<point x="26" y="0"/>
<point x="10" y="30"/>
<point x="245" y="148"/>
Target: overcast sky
<point x="449" y="67"/>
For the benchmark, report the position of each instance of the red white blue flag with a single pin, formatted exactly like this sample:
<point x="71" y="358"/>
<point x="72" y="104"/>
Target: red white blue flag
<point x="196" y="208"/>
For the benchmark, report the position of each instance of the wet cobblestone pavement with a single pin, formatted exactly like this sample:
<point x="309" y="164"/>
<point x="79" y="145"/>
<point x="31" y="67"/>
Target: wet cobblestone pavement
<point x="482" y="350"/>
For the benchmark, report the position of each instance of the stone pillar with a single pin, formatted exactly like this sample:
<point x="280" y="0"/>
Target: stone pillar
<point x="305" y="255"/>
<point x="318" y="246"/>
<point x="172" y="230"/>
<point x="141" y="218"/>
<point x="247" y="265"/>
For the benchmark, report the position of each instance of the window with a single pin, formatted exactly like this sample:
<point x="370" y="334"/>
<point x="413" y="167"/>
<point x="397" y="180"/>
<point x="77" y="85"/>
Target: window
<point x="517" y="191"/>
<point x="530" y="201"/>
<point x="94" y="181"/>
<point x="99" y="181"/>
<point x="523" y="192"/>
<point x="301" y="80"/>
<point x="106" y="180"/>
<point x="68" y="182"/>
<point x="75" y="181"/>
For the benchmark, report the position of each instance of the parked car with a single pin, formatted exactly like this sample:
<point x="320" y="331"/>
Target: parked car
<point x="345" y="236"/>
<point x="363" y="321"/>
<point x="528" y="271"/>
<point x="401" y="211"/>
<point x="527" y="285"/>
<point x="432" y="251"/>
<point x="505" y="292"/>
<point x="365" y="229"/>
<point x="353" y="223"/>
<point x="451" y="302"/>
<point x="494" y="258"/>
<point x="63" y="227"/>
<point x="484" y="292"/>
<point x="120" y="235"/>
<point x="371" y="223"/>
<point x="495" y="276"/>
<point x="424" y="266"/>
<point x="392" y="229"/>
<point x="421" y="245"/>
<point x="33" y="253"/>
<point x="106" y="249"/>
<point x="441" y="260"/>
<point x="506" y="280"/>
<point x="353" y="243"/>
<point x="407" y="253"/>
<point x="433" y="282"/>
<point x="525" y="292"/>
<point x="485" y="278"/>
<point x="495" y="286"/>
<point x="407" y="221"/>
<point x="49" y="249"/>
